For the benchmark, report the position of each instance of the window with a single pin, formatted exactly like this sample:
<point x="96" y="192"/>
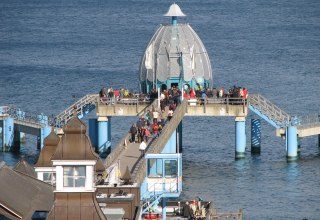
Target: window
<point x="74" y="176"/>
<point x="155" y="167"/>
<point x="171" y="168"/>
<point x="49" y="177"/>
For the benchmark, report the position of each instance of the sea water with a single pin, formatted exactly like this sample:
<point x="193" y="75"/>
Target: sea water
<point x="54" y="52"/>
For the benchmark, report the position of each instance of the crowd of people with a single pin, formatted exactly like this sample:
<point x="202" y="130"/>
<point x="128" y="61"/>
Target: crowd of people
<point x="114" y="95"/>
<point x="233" y="92"/>
<point x="173" y="95"/>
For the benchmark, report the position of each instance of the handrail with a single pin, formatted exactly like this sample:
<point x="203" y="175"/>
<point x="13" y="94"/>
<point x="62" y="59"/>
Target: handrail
<point x="269" y="109"/>
<point x="120" y="147"/>
<point x="63" y="117"/>
<point x="157" y="146"/>
<point x="29" y="117"/>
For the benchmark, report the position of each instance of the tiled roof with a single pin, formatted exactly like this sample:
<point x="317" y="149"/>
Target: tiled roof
<point x="23" y="194"/>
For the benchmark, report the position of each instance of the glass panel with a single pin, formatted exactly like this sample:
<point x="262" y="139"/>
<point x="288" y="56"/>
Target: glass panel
<point x="46" y="177"/>
<point x="171" y="168"/>
<point x="81" y="170"/>
<point x="74" y="176"/>
<point x="155" y="167"/>
<point x="67" y="171"/>
<point x="80" y="182"/>
<point x="159" y="167"/>
<point x="68" y="182"/>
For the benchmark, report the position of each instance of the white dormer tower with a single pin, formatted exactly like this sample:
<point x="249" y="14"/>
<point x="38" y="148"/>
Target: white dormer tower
<point x="75" y="163"/>
<point x="75" y="159"/>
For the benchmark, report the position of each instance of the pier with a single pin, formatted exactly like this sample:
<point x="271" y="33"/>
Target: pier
<point x="149" y="179"/>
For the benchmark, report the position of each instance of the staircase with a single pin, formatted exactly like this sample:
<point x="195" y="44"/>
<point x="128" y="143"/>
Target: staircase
<point x="268" y="111"/>
<point x="83" y="106"/>
<point x="150" y="202"/>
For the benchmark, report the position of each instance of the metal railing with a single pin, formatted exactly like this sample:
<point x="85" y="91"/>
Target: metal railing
<point x="125" y="101"/>
<point x="269" y="109"/>
<point x="79" y="106"/>
<point x="158" y="144"/>
<point x="114" y="155"/>
<point x="307" y="121"/>
<point x="27" y="117"/>
<point x="226" y="216"/>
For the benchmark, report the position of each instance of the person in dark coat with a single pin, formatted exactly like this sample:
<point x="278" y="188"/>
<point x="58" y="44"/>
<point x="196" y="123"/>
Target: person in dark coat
<point x="133" y="131"/>
<point x="187" y="212"/>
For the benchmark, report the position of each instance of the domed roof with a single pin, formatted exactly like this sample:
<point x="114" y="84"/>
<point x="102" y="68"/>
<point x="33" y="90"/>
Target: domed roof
<point x="174" y="10"/>
<point x="175" y="51"/>
<point x="50" y="145"/>
<point x="75" y="144"/>
<point x="52" y="139"/>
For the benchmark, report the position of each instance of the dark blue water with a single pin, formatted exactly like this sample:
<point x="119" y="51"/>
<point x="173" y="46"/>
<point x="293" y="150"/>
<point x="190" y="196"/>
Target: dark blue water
<point x="51" y="51"/>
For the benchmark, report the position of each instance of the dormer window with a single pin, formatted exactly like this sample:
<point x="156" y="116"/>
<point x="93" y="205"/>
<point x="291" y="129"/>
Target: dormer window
<point x="74" y="176"/>
<point x="49" y="177"/>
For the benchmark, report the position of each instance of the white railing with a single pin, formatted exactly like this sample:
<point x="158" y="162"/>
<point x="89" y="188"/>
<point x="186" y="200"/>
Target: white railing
<point x="269" y="109"/>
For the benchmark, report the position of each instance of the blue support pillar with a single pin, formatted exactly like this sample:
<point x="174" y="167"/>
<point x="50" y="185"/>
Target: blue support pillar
<point x="43" y="133"/>
<point x="255" y="136"/>
<point x="109" y="129"/>
<point x="292" y="143"/>
<point x="7" y="133"/>
<point x="164" y="208"/>
<point x="103" y="135"/>
<point x="93" y="133"/>
<point x="16" y="141"/>
<point x="179" y="138"/>
<point x="240" y="137"/>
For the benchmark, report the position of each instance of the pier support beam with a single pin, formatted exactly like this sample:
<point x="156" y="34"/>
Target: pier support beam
<point x="291" y="143"/>
<point x="7" y="133"/>
<point x="179" y="138"/>
<point x="93" y="133"/>
<point x="16" y="141"/>
<point x="43" y="133"/>
<point x="164" y="208"/>
<point x="240" y="137"/>
<point x="255" y="136"/>
<point x="104" y="134"/>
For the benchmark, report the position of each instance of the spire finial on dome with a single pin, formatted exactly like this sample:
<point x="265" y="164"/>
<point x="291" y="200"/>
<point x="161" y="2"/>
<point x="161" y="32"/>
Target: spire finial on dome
<point x="174" y="12"/>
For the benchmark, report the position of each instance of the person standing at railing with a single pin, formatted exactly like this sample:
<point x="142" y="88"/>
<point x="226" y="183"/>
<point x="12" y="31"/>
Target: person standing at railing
<point x="203" y="98"/>
<point x="116" y="95"/>
<point x="221" y="92"/>
<point x="241" y="94"/>
<point x="245" y="93"/>
<point x="186" y="95"/>
<point x="192" y="94"/>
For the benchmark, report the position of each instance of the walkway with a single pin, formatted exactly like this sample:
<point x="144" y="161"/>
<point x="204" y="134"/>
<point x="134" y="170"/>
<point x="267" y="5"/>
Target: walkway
<point x="130" y="155"/>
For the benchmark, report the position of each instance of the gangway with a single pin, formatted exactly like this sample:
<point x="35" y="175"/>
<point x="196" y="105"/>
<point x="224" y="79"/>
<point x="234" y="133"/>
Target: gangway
<point x="268" y="111"/>
<point x="307" y="125"/>
<point x="83" y="106"/>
